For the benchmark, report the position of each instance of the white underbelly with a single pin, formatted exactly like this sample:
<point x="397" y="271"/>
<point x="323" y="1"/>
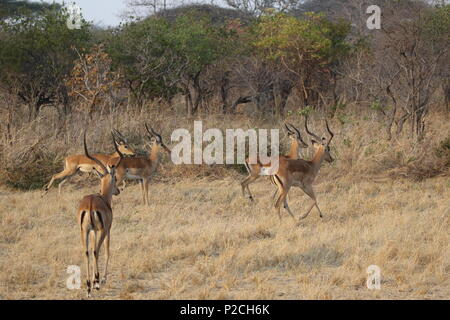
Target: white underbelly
<point x="86" y="168"/>
<point x="132" y="176"/>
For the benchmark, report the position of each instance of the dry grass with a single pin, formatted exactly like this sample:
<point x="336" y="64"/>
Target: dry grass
<point x="385" y="203"/>
<point x="32" y="152"/>
<point x="201" y="240"/>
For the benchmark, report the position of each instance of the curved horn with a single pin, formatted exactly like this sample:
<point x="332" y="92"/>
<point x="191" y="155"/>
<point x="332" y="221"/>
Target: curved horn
<point x="148" y="130"/>
<point x="309" y="132"/>
<point x="299" y="135"/>
<point x="117" y="150"/>
<point x="156" y="134"/>
<point x="329" y="131"/>
<point x="287" y="127"/>
<point x="117" y="134"/>
<point x="101" y="165"/>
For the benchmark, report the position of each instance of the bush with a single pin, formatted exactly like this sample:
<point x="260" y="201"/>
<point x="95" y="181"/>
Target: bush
<point x="30" y="169"/>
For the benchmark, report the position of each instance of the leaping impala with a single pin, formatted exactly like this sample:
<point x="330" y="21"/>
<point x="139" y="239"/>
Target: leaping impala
<point x="254" y="170"/>
<point x="141" y="168"/>
<point x="302" y="173"/>
<point x="81" y="163"/>
<point x="94" y="216"/>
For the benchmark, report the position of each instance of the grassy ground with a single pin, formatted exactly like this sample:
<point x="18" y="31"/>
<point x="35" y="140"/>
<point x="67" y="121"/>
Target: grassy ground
<point x="200" y="239"/>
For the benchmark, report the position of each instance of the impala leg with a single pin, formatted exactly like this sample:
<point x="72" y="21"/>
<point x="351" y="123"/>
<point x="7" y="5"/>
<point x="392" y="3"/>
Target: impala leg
<point x="281" y="199"/>
<point x="245" y="183"/>
<point x="106" y="257"/>
<point x="146" y="182"/>
<point x="274" y="195"/>
<point x="286" y="206"/>
<point x="283" y="192"/>
<point x="310" y="192"/>
<point x="96" y="254"/>
<point x="141" y="183"/>
<point x="93" y="242"/>
<point x="124" y="184"/>
<point x="65" y="174"/>
<point x="64" y="181"/>
<point x="85" y="242"/>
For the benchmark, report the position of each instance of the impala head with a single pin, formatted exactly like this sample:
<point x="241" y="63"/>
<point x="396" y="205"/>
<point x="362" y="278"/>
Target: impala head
<point x="106" y="173"/>
<point x="156" y="139"/>
<point x="321" y="143"/>
<point x="294" y="135"/>
<point x="122" y="143"/>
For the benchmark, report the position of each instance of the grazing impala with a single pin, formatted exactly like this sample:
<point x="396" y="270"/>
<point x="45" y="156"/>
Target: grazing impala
<point x="141" y="168"/>
<point x="254" y="170"/>
<point x="81" y="163"/>
<point x="302" y="173"/>
<point x="94" y="216"/>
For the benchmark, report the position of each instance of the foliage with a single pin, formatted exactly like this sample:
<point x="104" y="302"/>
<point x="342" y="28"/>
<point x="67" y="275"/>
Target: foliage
<point x="156" y="54"/>
<point x="297" y="43"/>
<point x="91" y="78"/>
<point x="9" y="8"/>
<point x="36" y="54"/>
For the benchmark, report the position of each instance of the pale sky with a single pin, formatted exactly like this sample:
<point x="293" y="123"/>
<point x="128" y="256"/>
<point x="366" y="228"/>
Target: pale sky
<point x="106" y="13"/>
<point x="102" y="12"/>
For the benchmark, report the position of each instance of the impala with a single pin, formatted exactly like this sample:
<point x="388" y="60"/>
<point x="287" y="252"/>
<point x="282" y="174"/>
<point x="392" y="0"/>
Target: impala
<point x="254" y="170"/>
<point x="94" y="216"/>
<point x="142" y="168"/>
<point x="81" y="163"/>
<point x="302" y="173"/>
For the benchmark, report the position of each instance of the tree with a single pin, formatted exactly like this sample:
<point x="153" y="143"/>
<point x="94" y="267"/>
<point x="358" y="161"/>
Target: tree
<point x="258" y="7"/>
<point x="302" y="51"/>
<point x="92" y="79"/>
<point x="415" y="55"/>
<point x="161" y="57"/>
<point x="9" y="8"/>
<point x="36" y="55"/>
<point x="200" y="44"/>
<point x="144" y="53"/>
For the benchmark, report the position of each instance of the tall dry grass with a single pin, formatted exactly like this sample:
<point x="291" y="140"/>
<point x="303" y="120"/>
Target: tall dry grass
<point x="32" y="152"/>
<point x="200" y="239"/>
<point x="385" y="203"/>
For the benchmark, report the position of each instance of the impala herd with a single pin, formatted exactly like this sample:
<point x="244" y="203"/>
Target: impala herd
<point x="94" y="212"/>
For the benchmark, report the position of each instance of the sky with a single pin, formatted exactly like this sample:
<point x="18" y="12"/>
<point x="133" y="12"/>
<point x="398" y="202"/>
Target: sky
<point x="102" y="12"/>
<point x="106" y="13"/>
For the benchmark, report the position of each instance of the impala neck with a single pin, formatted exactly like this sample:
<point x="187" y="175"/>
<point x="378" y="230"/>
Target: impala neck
<point x="318" y="158"/>
<point x="106" y="189"/>
<point x="293" y="153"/>
<point x="154" y="153"/>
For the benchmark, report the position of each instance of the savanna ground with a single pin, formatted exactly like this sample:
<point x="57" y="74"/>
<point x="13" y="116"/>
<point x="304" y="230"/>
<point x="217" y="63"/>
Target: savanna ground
<point x="200" y="239"/>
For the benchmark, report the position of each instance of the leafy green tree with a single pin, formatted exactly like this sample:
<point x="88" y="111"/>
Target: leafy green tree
<point x="9" y="8"/>
<point x="36" y="55"/>
<point x="144" y="54"/>
<point x="307" y="48"/>
<point x="161" y="57"/>
<point x="200" y="44"/>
